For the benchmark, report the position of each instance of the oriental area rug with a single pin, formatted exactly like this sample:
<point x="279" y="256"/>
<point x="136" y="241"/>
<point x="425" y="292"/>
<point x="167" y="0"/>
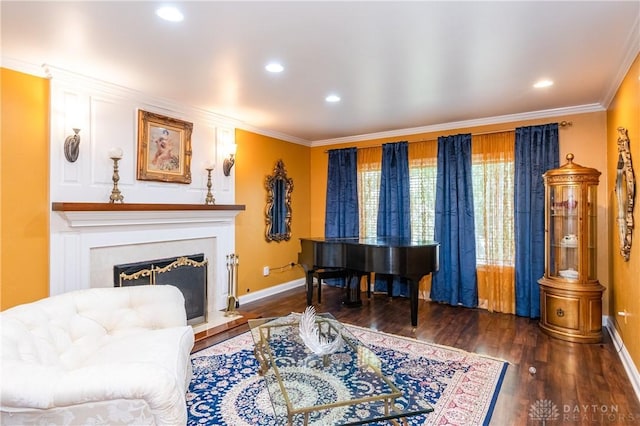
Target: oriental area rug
<point x="462" y="387"/>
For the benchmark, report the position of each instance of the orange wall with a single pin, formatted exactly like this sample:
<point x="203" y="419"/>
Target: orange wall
<point x="624" y="111"/>
<point x="256" y="158"/>
<point x="24" y="188"/>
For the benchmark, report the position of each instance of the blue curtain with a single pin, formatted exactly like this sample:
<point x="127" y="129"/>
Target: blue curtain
<point x="341" y="216"/>
<point x="456" y="280"/>
<point x="394" y="214"/>
<point x="537" y="150"/>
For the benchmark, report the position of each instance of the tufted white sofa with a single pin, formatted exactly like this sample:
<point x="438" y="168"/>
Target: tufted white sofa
<point x="97" y="356"/>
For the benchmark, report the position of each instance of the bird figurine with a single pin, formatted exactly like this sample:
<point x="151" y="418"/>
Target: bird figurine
<point x="318" y="344"/>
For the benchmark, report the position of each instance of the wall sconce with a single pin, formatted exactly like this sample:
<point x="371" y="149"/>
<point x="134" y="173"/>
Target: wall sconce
<point x="229" y="162"/>
<point x="72" y="146"/>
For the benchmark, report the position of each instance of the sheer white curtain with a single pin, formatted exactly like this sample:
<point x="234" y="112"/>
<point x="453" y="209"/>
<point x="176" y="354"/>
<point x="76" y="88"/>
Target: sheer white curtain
<point x="493" y="197"/>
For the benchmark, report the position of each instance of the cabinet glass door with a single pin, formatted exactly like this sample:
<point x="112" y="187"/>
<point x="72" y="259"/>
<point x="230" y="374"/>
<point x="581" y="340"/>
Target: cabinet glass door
<point x="563" y="231"/>
<point x="592" y="213"/>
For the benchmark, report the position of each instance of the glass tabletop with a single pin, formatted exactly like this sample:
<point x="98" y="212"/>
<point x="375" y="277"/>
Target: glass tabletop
<point x="343" y="387"/>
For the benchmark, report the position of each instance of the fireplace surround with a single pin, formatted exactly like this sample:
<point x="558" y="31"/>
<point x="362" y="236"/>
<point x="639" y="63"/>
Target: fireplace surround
<point x="188" y="273"/>
<point x="87" y="239"/>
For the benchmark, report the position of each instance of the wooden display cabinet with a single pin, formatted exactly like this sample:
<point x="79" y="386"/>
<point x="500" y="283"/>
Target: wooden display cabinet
<point x="570" y="294"/>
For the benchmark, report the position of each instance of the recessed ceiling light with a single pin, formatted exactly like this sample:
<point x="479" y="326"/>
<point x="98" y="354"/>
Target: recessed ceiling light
<point x="543" y="83"/>
<point x="332" y="98"/>
<point x="274" y="67"/>
<point x="170" y="13"/>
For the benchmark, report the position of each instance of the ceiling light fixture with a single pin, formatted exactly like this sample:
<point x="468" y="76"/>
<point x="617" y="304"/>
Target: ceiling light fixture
<point x="543" y="83"/>
<point x="274" y="67"/>
<point x="170" y="13"/>
<point x="332" y="98"/>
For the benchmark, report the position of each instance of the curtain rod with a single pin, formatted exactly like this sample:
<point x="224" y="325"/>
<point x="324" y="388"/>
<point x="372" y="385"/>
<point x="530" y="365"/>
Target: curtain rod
<point x="561" y="124"/>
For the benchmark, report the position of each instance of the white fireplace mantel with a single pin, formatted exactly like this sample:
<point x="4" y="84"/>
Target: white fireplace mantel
<point x="79" y="215"/>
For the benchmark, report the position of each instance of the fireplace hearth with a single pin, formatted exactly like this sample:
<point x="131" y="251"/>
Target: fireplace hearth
<point x="188" y="273"/>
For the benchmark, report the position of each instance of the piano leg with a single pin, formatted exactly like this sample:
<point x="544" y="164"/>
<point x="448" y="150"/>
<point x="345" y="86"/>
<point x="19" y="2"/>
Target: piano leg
<point x="413" y="294"/>
<point x="310" y="287"/>
<point x="389" y="285"/>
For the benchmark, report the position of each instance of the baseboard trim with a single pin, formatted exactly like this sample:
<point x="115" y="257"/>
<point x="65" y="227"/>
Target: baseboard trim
<point x="271" y="291"/>
<point x="625" y="357"/>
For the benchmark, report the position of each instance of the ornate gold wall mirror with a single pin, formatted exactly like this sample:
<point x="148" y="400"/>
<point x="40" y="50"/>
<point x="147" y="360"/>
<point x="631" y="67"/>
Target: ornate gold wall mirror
<point x="278" y="210"/>
<point x="625" y="193"/>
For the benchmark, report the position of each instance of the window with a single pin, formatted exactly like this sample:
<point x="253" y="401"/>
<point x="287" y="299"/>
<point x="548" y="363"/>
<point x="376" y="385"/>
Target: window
<point x="369" y="173"/>
<point x="492" y="166"/>
<point x="423" y="159"/>
<point x="493" y="172"/>
<point x="493" y="207"/>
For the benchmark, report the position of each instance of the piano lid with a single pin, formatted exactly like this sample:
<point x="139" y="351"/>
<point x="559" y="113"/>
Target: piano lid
<point x="374" y="241"/>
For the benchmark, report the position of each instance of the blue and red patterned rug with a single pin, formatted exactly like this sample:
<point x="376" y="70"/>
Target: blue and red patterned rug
<point x="462" y="387"/>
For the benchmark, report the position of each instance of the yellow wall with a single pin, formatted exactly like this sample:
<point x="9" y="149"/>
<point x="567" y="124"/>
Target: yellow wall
<point x="624" y="111"/>
<point x="24" y="188"/>
<point x="256" y="158"/>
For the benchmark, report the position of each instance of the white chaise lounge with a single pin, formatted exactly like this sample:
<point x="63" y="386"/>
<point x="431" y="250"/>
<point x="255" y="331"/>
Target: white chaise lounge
<point x="97" y="356"/>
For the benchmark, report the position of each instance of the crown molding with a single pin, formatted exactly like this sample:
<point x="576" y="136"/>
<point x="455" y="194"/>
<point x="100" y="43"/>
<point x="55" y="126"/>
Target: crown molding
<point x="276" y="135"/>
<point x="533" y="115"/>
<point x="632" y="52"/>
<point x="24" y="67"/>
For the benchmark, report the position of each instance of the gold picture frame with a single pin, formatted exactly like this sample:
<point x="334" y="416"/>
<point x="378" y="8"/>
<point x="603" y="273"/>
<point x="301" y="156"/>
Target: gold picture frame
<point x="278" y="210"/>
<point x="164" y="148"/>
<point x="625" y="188"/>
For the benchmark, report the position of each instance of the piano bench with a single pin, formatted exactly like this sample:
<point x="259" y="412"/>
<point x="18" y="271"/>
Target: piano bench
<point x="346" y="274"/>
<point x="328" y="273"/>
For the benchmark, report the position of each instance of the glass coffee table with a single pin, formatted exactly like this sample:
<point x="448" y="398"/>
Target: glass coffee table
<point x="346" y="387"/>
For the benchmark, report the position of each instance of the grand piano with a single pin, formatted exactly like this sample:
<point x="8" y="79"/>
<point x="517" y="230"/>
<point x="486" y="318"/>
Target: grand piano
<point x="383" y="255"/>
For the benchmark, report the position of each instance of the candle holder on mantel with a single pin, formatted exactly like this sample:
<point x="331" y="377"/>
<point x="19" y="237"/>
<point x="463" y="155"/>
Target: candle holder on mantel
<point x="209" y="200"/>
<point x="116" y="196"/>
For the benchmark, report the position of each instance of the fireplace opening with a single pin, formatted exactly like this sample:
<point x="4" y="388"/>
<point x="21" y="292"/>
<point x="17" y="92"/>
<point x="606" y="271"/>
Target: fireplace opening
<point x="187" y="273"/>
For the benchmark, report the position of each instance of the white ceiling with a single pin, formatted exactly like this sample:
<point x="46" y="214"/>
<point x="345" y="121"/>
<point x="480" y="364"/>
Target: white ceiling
<point x="396" y="65"/>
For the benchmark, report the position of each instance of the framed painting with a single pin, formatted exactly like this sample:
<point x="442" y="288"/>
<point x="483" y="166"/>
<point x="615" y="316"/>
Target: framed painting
<point x="164" y="148"/>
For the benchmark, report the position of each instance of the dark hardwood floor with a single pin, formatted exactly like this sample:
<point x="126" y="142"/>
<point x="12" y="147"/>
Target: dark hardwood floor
<point x="587" y="383"/>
